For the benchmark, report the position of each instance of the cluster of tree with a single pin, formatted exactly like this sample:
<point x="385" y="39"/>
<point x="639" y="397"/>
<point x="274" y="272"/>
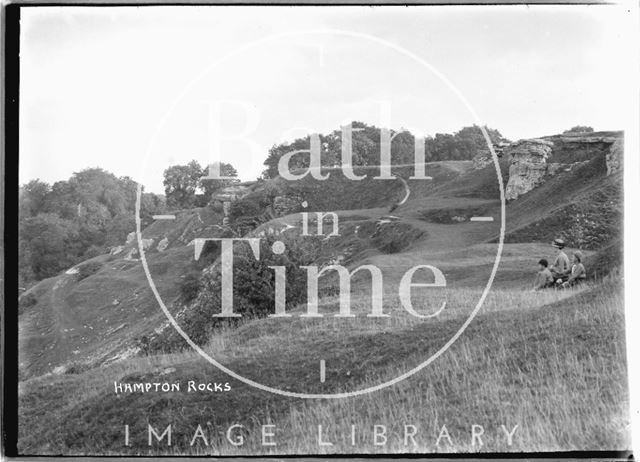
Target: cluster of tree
<point x="461" y="145"/>
<point x="186" y="186"/>
<point x="70" y="221"/>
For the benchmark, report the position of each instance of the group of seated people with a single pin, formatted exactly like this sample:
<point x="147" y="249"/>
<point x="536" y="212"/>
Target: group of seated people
<point x="562" y="273"/>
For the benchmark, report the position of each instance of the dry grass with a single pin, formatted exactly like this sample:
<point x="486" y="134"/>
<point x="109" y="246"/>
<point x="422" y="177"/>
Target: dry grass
<point x="552" y="363"/>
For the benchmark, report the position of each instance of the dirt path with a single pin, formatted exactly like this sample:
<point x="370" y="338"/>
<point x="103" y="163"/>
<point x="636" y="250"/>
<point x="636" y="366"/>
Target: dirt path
<point x="49" y="336"/>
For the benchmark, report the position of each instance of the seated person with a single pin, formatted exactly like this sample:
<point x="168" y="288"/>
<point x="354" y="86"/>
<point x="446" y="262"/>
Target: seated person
<point x="561" y="266"/>
<point x="544" y="278"/>
<point x="578" y="272"/>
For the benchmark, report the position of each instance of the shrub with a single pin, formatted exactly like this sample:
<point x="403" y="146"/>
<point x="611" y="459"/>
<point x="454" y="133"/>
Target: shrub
<point x="160" y="267"/>
<point x="245" y="207"/>
<point x="93" y="252"/>
<point x="87" y="269"/>
<point x="395" y="237"/>
<point x="579" y="129"/>
<point x="216" y="206"/>
<point x="190" y="286"/>
<point x="26" y="301"/>
<point x="253" y="291"/>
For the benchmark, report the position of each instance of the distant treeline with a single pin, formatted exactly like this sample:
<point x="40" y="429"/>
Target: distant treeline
<point x="65" y="223"/>
<point x="461" y="145"/>
<point x="70" y="221"/>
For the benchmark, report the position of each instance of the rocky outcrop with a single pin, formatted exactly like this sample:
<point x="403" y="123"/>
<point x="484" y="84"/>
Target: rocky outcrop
<point x="163" y="244"/>
<point x="116" y="250"/>
<point x="231" y="193"/>
<point x="482" y="159"/>
<point x="554" y="167"/>
<point x="528" y="166"/>
<point x="228" y="195"/>
<point x="580" y="147"/>
<point x="614" y="157"/>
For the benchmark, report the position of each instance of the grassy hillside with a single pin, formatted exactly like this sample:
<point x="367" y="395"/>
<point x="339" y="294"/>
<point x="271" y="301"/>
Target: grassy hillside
<point x="77" y="322"/>
<point x="551" y="362"/>
<point x="541" y="363"/>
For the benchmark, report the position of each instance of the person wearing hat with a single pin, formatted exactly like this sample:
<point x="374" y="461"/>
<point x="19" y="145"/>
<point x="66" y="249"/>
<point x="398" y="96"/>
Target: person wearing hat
<point x="578" y="272"/>
<point x="561" y="266"/>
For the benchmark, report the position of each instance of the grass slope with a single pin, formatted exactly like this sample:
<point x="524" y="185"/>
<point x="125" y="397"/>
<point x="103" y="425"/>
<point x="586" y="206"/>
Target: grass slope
<point x="543" y="363"/>
<point x="542" y="366"/>
<point x="82" y="323"/>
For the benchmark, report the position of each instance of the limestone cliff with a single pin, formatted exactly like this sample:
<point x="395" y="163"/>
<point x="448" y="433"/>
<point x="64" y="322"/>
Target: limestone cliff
<point x="532" y="161"/>
<point x="614" y="157"/>
<point x="528" y="165"/>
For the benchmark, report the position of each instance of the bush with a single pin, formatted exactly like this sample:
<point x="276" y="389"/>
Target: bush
<point x="216" y="206"/>
<point x="579" y="129"/>
<point x="190" y="286"/>
<point x="245" y="207"/>
<point x="87" y="269"/>
<point x="93" y="252"/>
<point x="159" y="267"/>
<point x="253" y="291"/>
<point x="395" y="237"/>
<point x="26" y="301"/>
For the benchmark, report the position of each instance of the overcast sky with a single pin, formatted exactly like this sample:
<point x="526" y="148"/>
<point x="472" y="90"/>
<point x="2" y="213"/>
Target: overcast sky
<point x="131" y="90"/>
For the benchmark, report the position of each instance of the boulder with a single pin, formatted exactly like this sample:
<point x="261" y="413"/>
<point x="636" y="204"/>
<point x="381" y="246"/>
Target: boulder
<point x="131" y="255"/>
<point x="116" y="250"/>
<point x="614" y="157"/>
<point x="528" y="166"/>
<point x="163" y="244"/>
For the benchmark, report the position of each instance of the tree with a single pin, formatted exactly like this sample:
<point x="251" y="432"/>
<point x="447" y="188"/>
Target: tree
<point x="209" y="187"/>
<point x="180" y="184"/>
<point x="277" y="151"/>
<point x="33" y="196"/>
<point x="49" y="244"/>
<point x="462" y="145"/>
<point x="94" y="208"/>
<point x="365" y="147"/>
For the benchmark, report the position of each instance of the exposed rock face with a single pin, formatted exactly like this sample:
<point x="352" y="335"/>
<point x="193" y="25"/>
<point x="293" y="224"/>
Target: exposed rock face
<point x="131" y="255"/>
<point x="614" y="157"/>
<point x="231" y="193"/>
<point x="528" y="166"/>
<point x="116" y="250"/>
<point x="130" y="237"/>
<point x="482" y="159"/>
<point x="580" y="147"/>
<point x="553" y="168"/>
<point x="163" y="244"/>
<point x="228" y="195"/>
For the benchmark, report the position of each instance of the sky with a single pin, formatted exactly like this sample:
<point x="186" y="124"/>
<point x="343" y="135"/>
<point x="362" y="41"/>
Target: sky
<point x="134" y="90"/>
